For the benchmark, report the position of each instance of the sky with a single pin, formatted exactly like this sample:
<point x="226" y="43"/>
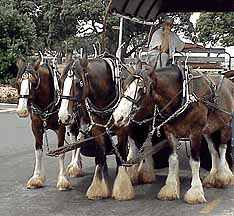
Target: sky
<point x="194" y="17"/>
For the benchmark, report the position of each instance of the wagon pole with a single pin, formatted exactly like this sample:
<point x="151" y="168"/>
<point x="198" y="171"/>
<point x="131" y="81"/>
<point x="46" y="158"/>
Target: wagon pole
<point x="145" y="152"/>
<point x="70" y="147"/>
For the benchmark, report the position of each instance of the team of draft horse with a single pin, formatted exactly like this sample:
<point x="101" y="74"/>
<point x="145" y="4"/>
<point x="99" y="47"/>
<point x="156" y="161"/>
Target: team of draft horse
<point x="125" y="112"/>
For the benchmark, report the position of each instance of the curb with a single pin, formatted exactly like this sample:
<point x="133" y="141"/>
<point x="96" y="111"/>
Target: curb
<point x="8" y="110"/>
<point x="8" y="104"/>
<point x="7" y="107"/>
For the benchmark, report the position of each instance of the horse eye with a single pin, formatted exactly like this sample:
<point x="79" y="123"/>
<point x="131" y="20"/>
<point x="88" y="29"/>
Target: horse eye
<point x="25" y="76"/>
<point x="70" y="73"/>
<point x="81" y="84"/>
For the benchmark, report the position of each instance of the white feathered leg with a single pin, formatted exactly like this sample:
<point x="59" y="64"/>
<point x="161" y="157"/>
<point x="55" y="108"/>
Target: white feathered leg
<point x="224" y="176"/>
<point x="74" y="168"/>
<point x="171" y="190"/>
<point x="133" y="170"/>
<point x="63" y="183"/>
<point x="209" y="180"/>
<point x="195" y="194"/>
<point x="38" y="178"/>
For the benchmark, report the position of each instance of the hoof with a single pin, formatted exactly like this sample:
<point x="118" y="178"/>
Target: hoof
<point x="100" y="187"/>
<point x="122" y="189"/>
<point x="195" y="195"/>
<point x="133" y="173"/>
<point x="209" y="180"/>
<point x="146" y="172"/>
<point x="224" y="179"/>
<point x="99" y="190"/>
<point x="63" y="184"/>
<point x="35" y="182"/>
<point x="170" y="192"/>
<point x="73" y="170"/>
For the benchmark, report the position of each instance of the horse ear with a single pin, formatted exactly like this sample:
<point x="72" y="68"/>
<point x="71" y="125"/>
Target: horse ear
<point x="20" y="63"/>
<point x="139" y="65"/>
<point x="84" y="60"/>
<point x="37" y="64"/>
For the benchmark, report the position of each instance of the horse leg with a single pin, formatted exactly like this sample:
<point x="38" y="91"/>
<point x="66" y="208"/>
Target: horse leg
<point x="171" y="190"/>
<point x="146" y="169"/>
<point x="224" y="176"/>
<point x="62" y="183"/>
<point x="132" y="170"/>
<point x="100" y="187"/>
<point x="122" y="188"/>
<point x="74" y="168"/>
<point x="72" y="138"/>
<point x="195" y="194"/>
<point x="209" y="180"/>
<point x="38" y="178"/>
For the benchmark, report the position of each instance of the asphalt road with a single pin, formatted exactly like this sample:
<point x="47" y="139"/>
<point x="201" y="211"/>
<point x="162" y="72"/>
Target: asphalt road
<point x="17" y="163"/>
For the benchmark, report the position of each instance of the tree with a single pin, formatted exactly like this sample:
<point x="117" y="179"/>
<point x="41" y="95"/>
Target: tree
<point x="216" y="28"/>
<point x="17" y="36"/>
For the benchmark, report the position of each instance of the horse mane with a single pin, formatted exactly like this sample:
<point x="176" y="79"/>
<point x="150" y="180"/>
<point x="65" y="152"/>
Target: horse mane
<point x="170" y="69"/>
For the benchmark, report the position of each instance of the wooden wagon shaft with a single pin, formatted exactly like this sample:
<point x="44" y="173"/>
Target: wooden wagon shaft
<point x="66" y="148"/>
<point x="148" y="150"/>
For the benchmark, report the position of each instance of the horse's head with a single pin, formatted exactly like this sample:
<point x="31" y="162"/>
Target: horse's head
<point x="137" y="89"/>
<point x="74" y="89"/>
<point x="27" y="81"/>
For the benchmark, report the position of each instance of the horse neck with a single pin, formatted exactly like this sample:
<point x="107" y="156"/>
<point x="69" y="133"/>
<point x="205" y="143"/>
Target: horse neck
<point x="167" y="84"/>
<point x="102" y="88"/>
<point x="44" y="95"/>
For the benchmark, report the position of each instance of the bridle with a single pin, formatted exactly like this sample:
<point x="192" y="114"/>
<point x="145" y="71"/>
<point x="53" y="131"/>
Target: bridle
<point x="28" y="74"/>
<point x="73" y="75"/>
<point x="141" y="85"/>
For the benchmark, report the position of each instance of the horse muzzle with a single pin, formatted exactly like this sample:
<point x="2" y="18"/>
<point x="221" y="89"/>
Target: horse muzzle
<point x="121" y="122"/>
<point x="65" y="119"/>
<point x="22" y="113"/>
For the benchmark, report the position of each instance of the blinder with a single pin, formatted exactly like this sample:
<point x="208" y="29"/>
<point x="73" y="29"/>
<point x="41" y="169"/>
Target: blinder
<point x="28" y="73"/>
<point x="77" y="98"/>
<point x="141" y="86"/>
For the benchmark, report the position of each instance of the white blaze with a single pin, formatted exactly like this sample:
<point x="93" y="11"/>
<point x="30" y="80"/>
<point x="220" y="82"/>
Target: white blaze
<point x="22" y="109"/>
<point x="63" y="111"/>
<point x="123" y="110"/>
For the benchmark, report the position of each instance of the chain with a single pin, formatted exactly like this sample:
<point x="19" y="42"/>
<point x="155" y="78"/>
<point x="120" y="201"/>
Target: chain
<point x="150" y="135"/>
<point x="123" y="162"/>
<point x="192" y="99"/>
<point x="42" y="114"/>
<point x="46" y="136"/>
<point x="141" y="122"/>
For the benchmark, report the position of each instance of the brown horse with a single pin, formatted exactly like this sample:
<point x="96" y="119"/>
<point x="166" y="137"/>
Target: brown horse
<point x="90" y="82"/>
<point x="229" y="74"/>
<point x="206" y="112"/>
<point x="76" y="124"/>
<point x="38" y="98"/>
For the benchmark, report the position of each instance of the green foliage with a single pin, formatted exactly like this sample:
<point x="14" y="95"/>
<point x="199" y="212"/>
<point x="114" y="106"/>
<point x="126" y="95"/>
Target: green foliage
<point x="216" y="28"/>
<point x="17" y="36"/>
<point x="65" y="25"/>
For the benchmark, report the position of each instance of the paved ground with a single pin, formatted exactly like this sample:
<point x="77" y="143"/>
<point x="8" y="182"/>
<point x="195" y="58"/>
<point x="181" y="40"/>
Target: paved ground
<point x="17" y="163"/>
